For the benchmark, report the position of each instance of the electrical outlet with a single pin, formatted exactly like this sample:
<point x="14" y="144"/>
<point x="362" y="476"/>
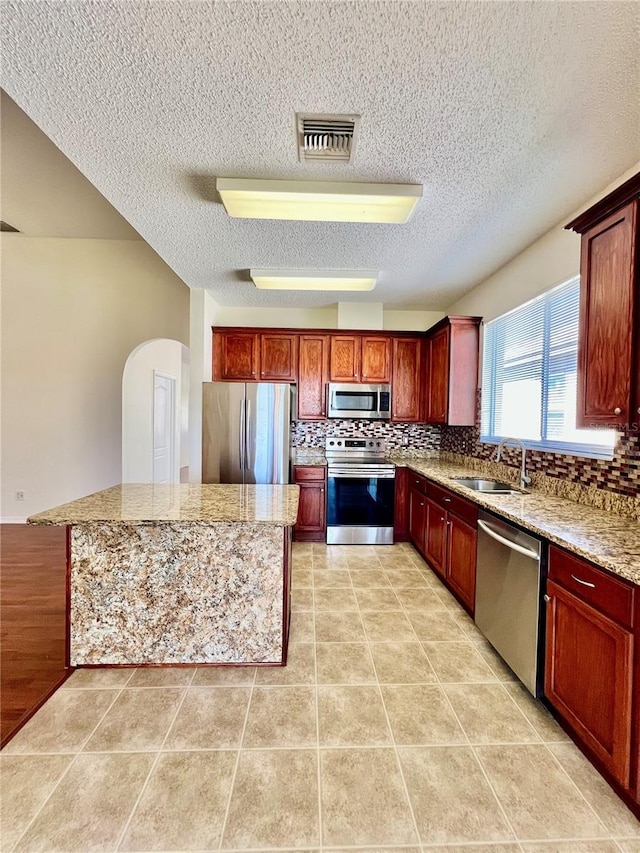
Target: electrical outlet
<point x="405" y="440"/>
<point x="19" y="496"/>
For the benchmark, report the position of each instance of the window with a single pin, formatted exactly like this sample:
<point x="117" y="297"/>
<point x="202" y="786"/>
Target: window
<point x="529" y="377"/>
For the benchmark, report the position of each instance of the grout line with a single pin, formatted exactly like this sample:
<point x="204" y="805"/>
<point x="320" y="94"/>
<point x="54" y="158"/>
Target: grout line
<point x="396" y="753"/>
<point x="570" y="778"/>
<point x="480" y="765"/>
<point x="235" y="769"/>
<point x="318" y="770"/>
<point x="71" y="763"/>
<point x="154" y="763"/>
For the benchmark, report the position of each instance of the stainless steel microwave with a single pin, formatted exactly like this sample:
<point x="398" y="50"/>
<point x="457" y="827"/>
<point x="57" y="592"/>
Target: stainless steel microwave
<point x="357" y="400"/>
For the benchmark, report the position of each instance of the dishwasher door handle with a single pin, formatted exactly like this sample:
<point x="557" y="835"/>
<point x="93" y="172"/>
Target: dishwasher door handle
<point x="513" y="545"/>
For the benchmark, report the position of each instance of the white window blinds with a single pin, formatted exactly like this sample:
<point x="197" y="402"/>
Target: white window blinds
<point x="529" y="376"/>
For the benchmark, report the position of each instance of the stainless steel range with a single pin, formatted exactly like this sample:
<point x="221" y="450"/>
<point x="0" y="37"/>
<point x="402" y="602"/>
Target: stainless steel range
<point x="361" y="493"/>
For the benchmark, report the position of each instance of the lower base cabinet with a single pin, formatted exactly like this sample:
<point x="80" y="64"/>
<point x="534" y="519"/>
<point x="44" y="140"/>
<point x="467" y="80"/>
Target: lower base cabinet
<point x="461" y="547"/>
<point x="589" y="668"/>
<point x="442" y="528"/>
<point x="311" y="525"/>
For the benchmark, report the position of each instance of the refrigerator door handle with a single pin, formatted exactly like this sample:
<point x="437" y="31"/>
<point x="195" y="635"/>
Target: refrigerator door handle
<point x="247" y="432"/>
<point x="242" y="435"/>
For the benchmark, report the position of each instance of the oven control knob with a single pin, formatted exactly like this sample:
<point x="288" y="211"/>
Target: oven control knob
<point x="331" y="443"/>
<point x="339" y="444"/>
<point x="370" y="444"/>
<point x="379" y="443"/>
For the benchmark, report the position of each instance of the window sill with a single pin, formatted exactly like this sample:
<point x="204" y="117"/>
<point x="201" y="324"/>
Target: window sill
<point x="584" y="452"/>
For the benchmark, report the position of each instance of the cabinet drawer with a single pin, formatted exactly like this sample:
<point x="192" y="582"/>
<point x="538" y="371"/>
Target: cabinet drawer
<point x="454" y="503"/>
<point x="416" y="481"/>
<point x="303" y="473"/>
<point x="606" y="593"/>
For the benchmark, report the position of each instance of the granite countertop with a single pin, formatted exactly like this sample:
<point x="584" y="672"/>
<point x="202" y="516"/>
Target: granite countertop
<point x="139" y="503"/>
<point x="608" y="540"/>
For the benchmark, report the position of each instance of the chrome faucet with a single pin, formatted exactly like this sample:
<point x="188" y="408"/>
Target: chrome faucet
<point x="524" y="479"/>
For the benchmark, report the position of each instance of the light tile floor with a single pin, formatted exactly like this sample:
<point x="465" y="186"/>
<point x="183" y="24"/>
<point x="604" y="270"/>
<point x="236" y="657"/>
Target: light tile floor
<point x="395" y="725"/>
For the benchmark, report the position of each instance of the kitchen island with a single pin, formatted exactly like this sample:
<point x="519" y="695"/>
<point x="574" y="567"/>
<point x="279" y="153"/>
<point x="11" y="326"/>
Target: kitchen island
<point x="178" y="574"/>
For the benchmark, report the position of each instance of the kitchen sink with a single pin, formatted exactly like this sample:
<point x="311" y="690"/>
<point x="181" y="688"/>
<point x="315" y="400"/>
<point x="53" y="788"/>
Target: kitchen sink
<point x="492" y="486"/>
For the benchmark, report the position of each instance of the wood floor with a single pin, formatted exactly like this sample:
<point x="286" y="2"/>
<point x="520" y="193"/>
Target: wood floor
<point x="32" y="620"/>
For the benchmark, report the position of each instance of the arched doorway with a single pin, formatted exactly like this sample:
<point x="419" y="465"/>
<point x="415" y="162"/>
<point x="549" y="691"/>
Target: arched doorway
<point x="155" y="413"/>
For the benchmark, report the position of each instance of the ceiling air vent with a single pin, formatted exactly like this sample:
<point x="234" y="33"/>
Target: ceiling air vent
<point x="327" y="137"/>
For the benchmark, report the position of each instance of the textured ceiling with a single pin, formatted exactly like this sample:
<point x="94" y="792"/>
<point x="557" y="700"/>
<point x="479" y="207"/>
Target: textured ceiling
<point x="43" y="194"/>
<point x="511" y="114"/>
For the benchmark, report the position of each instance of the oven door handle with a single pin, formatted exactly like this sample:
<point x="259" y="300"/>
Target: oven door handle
<point x="362" y="475"/>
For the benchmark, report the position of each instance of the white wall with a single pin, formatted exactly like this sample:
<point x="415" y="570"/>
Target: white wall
<point x="551" y="260"/>
<point x="137" y="408"/>
<point x="203" y="314"/>
<point x="72" y="311"/>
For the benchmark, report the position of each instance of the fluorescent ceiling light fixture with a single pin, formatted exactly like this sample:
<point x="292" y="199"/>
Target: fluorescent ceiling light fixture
<point x="314" y="279"/>
<point x="318" y="201"/>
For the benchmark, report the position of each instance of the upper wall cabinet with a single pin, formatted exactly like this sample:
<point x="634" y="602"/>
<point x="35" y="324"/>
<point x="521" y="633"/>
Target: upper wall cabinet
<point x="609" y="336"/>
<point x="278" y="357"/>
<point x="313" y="371"/>
<point x="360" y="358"/>
<point x="376" y="358"/>
<point x="452" y="348"/>
<point x="406" y="388"/>
<point x="236" y="356"/>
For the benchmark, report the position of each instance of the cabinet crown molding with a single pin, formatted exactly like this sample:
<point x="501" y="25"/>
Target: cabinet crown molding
<point x="609" y="204"/>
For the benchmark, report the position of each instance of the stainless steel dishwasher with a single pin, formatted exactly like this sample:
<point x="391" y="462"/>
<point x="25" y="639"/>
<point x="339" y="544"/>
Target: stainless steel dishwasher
<point x="508" y="590"/>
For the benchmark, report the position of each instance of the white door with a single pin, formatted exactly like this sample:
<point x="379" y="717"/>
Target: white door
<point x="164" y="393"/>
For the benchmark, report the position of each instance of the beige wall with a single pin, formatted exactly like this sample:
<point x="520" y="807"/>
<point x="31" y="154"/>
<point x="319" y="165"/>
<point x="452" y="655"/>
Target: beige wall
<point x="72" y="311"/>
<point x="551" y="260"/>
<point x="203" y="314"/>
<point x="319" y="318"/>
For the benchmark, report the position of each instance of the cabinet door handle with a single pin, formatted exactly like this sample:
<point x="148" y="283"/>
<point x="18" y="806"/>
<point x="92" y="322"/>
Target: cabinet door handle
<point x="442" y="518"/>
<point x="584" y="583"/>
<point x="617" y="410"/>
<point x="421" y="503"/>
<point x="446" y="500"/>
<point x="547" y="598"/>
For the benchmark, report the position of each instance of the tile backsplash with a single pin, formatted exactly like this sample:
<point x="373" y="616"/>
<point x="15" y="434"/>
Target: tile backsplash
<point x="419" y="437"/>
<point x="620" y="474"/>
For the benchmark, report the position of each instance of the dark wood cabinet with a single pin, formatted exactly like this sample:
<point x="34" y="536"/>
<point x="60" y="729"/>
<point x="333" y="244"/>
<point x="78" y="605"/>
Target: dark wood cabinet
<point x="375" y="358"/>
<point x="345" y="358"/>
<point x="313" y="372"/>
<point x="443" y="529"/>
<point x="417" y="515"/>
<point x="236" y="356"/>
<point x="311" y="525"/>
<point x="436" y="538"/>
<point x="609" y="336"/>
<point x="452" y="351"/>
<point x="278" y="357"/>
<point x="401" y="506"/>
<point x="461" y="563"/>
<point x="593" y="647"/>
<point x="438" y="377"/>
<point x="589" y="662"/>
<point x="407" y="382"/>
<point x="33" y="614"/>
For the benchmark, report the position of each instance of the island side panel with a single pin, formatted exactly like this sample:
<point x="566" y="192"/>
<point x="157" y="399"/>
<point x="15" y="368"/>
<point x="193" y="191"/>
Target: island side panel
<point x="176" y="593"/>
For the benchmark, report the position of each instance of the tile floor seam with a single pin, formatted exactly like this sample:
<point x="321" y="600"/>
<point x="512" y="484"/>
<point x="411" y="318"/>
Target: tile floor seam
<point x="154" y="763"/>
<point x="575" y="785"/>
<point x="235" y="769"/>
<point x="508" y="692"/>
<point x="71" y="763"/>
<point x="482" y="770"/>
<point x="318" y="770"/>
<point x="396" y="753"/>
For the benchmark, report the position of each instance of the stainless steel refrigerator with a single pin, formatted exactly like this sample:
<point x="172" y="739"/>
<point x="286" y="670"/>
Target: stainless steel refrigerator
<point x="245" y="432"/>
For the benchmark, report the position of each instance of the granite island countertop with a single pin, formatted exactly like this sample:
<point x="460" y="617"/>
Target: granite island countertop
<point x="606" y="539"/>
<point x="142" y="503"/>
